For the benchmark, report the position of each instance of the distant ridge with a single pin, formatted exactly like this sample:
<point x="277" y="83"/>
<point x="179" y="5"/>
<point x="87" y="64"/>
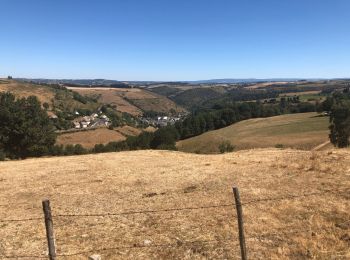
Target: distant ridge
<point x="108" y="82"/>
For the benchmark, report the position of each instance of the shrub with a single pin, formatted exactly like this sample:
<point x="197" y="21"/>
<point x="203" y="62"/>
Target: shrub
<point x="2" y="155"/>
<point x="226" y="147"/>
<point x="279" y="146"/>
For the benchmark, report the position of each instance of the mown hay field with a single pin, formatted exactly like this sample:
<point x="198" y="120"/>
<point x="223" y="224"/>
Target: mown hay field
<point x="300" y="131"/>
<point x="157" y="196"/>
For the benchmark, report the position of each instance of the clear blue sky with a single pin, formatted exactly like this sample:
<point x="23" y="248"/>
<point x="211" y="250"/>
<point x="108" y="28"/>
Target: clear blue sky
<point x="175" y="39"/>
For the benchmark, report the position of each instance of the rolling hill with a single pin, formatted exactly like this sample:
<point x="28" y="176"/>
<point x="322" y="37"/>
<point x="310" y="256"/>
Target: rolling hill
<point x="60" y="98"/>
<point x="131" y="100"/>
<point x="300" y="131"/>
<point x="172" y="205"/>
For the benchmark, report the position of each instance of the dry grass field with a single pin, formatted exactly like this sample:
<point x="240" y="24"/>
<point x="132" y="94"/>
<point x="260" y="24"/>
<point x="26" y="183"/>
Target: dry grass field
<point x="132" y="101"/>
<point x="128" y="130"/>
<point x="300" y="131"/>
<point x="88" y="139"/>
<point x="156" y="198"/>
<point x="21" y="89"/>
<point x="111" y="96"/>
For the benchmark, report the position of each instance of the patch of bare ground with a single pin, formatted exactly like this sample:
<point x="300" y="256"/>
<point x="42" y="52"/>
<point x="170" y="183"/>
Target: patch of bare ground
<point x="280" y="222"/>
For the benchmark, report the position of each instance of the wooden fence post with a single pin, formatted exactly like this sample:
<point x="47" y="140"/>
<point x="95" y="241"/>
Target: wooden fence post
<point x="240" y="223"/>
<point x="49" y="229"/>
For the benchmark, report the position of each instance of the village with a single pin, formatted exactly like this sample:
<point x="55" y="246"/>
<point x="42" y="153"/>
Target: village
<point x="92" y="121"/>
<point x="162" y="121"/>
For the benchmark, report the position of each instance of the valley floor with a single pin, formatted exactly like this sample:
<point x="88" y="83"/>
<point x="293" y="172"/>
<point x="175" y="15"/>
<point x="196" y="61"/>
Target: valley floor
<point x="172" y="205"/>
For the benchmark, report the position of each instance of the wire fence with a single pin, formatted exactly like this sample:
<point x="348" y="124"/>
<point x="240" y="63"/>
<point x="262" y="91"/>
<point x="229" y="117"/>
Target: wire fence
<point x="135" y="246"/>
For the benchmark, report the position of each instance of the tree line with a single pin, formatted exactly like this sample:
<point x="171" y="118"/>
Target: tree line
<point x="27" y="131"/>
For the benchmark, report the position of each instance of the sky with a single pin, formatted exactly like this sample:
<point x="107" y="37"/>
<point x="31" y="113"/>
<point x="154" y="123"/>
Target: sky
<point x="175" y="39"/>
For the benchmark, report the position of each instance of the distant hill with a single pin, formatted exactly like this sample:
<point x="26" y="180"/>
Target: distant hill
<point x="108" y="82"/>
<point x="195" y="96"/>
<point x="301" y="131"/>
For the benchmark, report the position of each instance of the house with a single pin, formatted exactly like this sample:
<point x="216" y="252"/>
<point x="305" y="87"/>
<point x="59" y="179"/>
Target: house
<point x="76" y="125"/>
<point x="87" y="119"/>
<point x="84" y="124"/>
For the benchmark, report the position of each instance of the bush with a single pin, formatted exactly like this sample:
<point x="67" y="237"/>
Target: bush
<point x="226" y="147"/>
<point x="279" y="146"/>
<point x="2" y="155"/>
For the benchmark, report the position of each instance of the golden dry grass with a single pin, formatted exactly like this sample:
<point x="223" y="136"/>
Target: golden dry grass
<point x="266" y="84"/>
<point x="132" y="101"/>
<point x="22" y="89"/>
<point x="88" y="139"/>
<point x="111" y="96"/>
<point x="300" y="131"/>
<point x="315" y="227"/>
<point x="128" y="130"/>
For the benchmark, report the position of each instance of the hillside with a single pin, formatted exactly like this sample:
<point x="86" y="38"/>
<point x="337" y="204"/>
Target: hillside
<point x="300" y="131"/>
<point x="88" y="139"/>
<point x="133" y="101"/>
<point x="58" y="98"/>
<point x="173" y="205"/>
<point x="21" y="89"/>
<point x="196" y="96"/>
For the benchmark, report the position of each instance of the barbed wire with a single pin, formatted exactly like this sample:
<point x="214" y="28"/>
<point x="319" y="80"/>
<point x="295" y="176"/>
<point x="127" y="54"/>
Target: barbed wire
<point x="21" y="220"/>
<point x="133" y="212"/>
<point x="23" y="256"/>
<point x="144" y="211"/>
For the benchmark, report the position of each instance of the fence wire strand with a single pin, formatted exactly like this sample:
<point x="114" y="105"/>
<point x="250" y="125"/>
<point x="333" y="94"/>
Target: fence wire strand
<point x="178" y="244"/>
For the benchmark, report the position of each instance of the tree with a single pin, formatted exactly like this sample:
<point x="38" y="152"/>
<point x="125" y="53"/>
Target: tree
<point x="340" y="120"/>
<point x="46" y="105"/>
<point x="340" y="124"/>
<point x="165" y="137"/>
<point x="25" y="128"/>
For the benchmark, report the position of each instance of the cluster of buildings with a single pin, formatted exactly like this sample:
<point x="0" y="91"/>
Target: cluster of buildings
<point x="160" y="121"/>
<point x="94" y="120"/>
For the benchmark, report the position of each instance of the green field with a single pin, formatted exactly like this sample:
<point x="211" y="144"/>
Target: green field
<point x="301" y="131"/>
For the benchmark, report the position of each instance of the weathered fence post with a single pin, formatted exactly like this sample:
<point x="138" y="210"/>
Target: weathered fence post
<point x="49" y="230"/>
<point x="240" y="223"/>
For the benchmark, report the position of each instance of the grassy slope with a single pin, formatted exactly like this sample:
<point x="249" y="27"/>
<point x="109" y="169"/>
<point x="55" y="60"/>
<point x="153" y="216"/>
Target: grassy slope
<point x="308" y="227"/>
<point x="132" y="101"/>
<point x="21" y="89"/>
<point x="44" y="94"/>
<point x="302" y="131"/>
<point x="88" y="139"/>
